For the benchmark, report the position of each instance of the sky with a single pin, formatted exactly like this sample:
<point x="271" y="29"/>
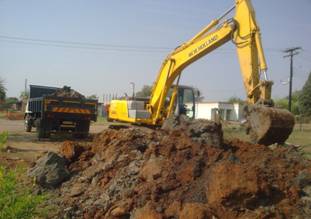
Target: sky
<point x="100" y="46"/>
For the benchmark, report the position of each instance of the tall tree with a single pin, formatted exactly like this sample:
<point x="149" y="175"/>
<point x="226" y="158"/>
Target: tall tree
<point x="305" y="98"/>
<point x="24" y="95"/>
<point x="283" y="102"/>
<point x="2" y="90"/>
<point x="236" y="100"/>
<point x="144" y="92"/>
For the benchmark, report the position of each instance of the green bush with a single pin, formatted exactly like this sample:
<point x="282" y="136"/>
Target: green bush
<point x="3" y="139"/>
<point x="16" y="201"/>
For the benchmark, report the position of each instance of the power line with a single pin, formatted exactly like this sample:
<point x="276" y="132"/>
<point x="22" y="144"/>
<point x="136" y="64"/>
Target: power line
<point x="291" y="53"/>
<point x="82" y="43"/>
<point x="96" y="46"/>
<point x="85" y="47"/>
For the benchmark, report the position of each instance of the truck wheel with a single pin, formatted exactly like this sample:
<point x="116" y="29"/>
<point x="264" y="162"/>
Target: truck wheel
<point x="43" y="129"/>
<point x="27" y="125"/>
<point x="82" y="129"/>
<point x="108" y="119"/>
<point x="40" y="132"/>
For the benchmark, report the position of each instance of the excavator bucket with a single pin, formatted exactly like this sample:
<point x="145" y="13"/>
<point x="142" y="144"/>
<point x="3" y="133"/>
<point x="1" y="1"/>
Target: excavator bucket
<point x="269" y="125"/>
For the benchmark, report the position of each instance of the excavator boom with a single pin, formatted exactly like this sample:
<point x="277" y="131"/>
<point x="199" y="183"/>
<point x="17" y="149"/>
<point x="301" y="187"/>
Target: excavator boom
<point x="244" y="32"/>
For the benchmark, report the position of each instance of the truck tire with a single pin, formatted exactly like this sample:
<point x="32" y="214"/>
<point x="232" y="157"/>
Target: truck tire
<point x="28" y="127"/>
<point x="43" y="129"/>
<point x="82" y="129"/>
<point x="27" y="124"/>
<point x="40" y="132"/>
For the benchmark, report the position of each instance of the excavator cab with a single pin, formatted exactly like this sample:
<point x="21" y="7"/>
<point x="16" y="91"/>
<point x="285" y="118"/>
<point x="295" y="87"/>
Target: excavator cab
<point x="185" y="101"/>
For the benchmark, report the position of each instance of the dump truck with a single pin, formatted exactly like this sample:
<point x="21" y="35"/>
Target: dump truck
<point x="54" y="110"/>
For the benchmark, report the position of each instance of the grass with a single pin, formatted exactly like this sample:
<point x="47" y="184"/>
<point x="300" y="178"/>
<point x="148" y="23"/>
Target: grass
<point x="3" y="139"/>
<point x="232" y="131"/>
<point x="16" y="198"/>
<point x="300" y="136"/>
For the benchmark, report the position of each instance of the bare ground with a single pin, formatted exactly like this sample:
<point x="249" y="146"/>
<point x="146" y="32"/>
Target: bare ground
<point x="26" y="146"/>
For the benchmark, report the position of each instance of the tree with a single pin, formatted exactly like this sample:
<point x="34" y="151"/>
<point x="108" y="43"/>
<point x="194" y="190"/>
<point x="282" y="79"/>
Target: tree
<point x="11" y="100"/>
<point x="2" y="90"/>
<point x="283" y="102"/>
<point x="144" y="92"/>
<point x="305" y="98"/>
<point x="93" y="97"/>
<point x="24" y="95"/>
<point x="236" y="100"/>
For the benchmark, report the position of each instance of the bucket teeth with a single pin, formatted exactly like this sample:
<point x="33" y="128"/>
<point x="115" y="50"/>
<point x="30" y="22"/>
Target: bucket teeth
<point x="269" y="125"/>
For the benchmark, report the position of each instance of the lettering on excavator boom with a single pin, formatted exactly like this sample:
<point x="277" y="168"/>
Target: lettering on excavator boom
<point x="203" y="46"/>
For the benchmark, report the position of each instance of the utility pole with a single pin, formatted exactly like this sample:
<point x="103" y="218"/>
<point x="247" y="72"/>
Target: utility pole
<point x="291" y="52"/>
<point x="25" y="89"/>
<point x="133" y="89"/>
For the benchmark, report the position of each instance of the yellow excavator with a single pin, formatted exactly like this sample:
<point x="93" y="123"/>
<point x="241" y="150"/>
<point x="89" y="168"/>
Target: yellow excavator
<point x="266" y="124"/>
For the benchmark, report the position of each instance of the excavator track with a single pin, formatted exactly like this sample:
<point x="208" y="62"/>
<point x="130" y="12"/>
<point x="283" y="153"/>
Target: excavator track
<point x="269" y="125"/>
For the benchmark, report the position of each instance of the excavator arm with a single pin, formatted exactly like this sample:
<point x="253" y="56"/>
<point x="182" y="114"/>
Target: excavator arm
<point x="182" y="57"/>
<point x="243" y="31"/>
<point x="267" y="125"/>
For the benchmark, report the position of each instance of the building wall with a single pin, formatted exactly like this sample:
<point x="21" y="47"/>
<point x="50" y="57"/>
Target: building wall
<point x="227" y="111"/>
<point x="204" y="111"/>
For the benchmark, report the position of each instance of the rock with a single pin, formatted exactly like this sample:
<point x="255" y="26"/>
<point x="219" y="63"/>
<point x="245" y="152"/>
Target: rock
<point x="118" y="212"/>
<point x="173" y="209"/>
<point x="200" y="130"/>
<point x="303" y="179"/>
<point x="306" y="205"/>
<point x="77" y="190"/>
<point x="307" y="191"/>
<point x="50" y="171"/>
<point x="194" y="210"/>
<point x="147" y="212"/>
<point x="70" y="150"/>
<point x="231" y="189"/>
<point x="152" y="169"/>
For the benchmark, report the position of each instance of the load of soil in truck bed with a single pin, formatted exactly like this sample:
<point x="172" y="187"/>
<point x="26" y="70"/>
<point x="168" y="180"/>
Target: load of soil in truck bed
<point x="67" y="92"/>
<point x="142" y="173"/>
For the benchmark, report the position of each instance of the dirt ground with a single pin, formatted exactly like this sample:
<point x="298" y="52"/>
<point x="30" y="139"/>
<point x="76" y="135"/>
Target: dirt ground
<point x="133" y="172"/>
<point x="26" y="146"/>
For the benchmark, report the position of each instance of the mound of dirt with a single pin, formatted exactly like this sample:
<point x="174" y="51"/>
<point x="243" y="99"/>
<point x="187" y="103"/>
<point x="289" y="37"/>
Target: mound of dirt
<point x="67" y="92"/>
<point x="200" y="130"/>
<point x="141" y="173"/>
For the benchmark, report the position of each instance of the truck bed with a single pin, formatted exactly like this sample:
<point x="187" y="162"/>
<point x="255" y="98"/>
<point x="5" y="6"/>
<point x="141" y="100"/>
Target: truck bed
<point x="70" y="108"/>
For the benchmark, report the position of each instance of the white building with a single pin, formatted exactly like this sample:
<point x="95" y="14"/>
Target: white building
<point x="226" y="111"/>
